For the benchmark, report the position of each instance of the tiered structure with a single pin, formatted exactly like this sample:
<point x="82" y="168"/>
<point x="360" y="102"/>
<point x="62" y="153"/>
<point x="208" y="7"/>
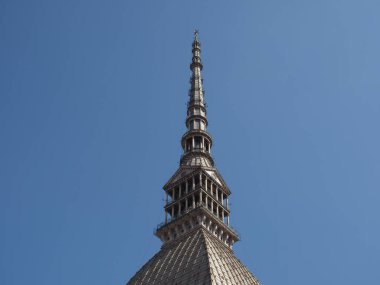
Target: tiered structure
<point x="196" y="235"/>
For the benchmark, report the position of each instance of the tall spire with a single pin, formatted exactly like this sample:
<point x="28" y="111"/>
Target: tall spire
<point x="196" y="235"/>
<point x="196" y="195"/>
<point x="196" y="142"/>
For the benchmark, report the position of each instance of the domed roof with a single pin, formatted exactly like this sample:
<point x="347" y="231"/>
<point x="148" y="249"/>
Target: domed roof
<point x="198" y="258"/>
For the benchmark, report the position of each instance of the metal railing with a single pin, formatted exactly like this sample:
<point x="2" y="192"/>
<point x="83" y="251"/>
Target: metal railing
<point x="191" y="208"/>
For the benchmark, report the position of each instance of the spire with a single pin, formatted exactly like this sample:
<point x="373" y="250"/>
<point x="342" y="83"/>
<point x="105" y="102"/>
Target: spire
<point x="196" y="142"/>
<point x="196" y="195"/>
<point x="196" y="235"/>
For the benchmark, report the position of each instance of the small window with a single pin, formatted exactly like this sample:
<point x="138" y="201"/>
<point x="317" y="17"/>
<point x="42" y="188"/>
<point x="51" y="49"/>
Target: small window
<point x="198" y="142"/>
<point x="188" y="144"/>
<point x="196" y="124"/>
<point x="203" y="125"/>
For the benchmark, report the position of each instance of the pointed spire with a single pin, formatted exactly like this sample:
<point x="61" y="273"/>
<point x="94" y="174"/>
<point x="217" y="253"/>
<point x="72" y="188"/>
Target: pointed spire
<point x="196" y="235"/>
<point x="196" y="34"/>
<point x="196" y="142"/>
<point x="196" y="195"/>
<point x="196" y="52"/>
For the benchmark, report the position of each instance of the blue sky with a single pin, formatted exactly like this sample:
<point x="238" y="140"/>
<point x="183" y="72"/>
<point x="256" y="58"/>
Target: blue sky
<point x="92" y="107"/>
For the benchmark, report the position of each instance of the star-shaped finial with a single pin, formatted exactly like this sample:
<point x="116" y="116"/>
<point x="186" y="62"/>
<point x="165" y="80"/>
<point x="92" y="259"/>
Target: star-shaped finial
<point x="196" y="34"/>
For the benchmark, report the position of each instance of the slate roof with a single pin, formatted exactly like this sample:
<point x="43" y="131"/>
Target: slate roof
<point x="198" y="258"/>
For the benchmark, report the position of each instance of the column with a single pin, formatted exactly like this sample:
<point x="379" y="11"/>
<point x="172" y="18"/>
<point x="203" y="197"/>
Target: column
<point x="179" y="208"/>
<point x="187" y="203"/>
<point x="227" y="206"/>
<point x="217" y="211"/>
<point x="193" y="142"/>
<point x="193" y="183"/>
<point x="206" y="183"/>
<point x="200" y="179"/>
<point x="172" y="212"/>
<point x="193" y="201"/>
<point x="187" y="186"/>
<point x="200" y="196"/>
<point x="223" y="215"/>
<point x="228" y="220"/>
<point x="166" y="216"/>
<point x="212" y="206"/>
<point x="180" y="190"/>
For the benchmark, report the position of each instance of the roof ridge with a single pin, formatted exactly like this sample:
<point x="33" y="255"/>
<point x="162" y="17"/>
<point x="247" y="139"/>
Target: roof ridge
<point x="220" y="274"/>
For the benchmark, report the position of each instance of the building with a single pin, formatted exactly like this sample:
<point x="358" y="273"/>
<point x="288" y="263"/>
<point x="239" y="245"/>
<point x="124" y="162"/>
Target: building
<point x="196" y="235"/>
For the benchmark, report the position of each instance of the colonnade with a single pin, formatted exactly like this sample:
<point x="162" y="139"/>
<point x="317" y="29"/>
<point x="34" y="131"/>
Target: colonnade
<point x="197" y="142"/>
<point x="199" y="190"/>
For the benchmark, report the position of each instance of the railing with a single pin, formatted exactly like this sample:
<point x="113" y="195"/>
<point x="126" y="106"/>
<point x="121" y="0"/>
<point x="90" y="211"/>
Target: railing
<point x="197" y="187"/>
<point x="190" y="132"/>
<point x="190" y="191"/>
<point x="191" y="208"/>
<point x="197" y="150"/>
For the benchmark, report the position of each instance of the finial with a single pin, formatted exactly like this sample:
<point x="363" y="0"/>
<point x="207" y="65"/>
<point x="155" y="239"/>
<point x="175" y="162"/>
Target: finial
<point x="196" y="34"/>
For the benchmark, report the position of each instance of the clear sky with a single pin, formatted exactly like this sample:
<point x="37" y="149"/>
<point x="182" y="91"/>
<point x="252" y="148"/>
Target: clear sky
<point x="92" y="107"/>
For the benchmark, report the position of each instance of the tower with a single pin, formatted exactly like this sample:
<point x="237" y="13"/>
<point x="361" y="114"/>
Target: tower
<point x="196" y="236"/>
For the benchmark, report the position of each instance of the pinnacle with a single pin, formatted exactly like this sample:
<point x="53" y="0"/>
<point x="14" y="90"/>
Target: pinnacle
<point x="196" y="235"/>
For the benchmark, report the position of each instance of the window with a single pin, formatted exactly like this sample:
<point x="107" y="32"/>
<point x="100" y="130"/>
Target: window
<point x="207" y="146"/>
<point x="196" y="124"/>
<point x="188" y="144"/>
<point x="203" y="125"/>
<point x="198" y="142"/>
